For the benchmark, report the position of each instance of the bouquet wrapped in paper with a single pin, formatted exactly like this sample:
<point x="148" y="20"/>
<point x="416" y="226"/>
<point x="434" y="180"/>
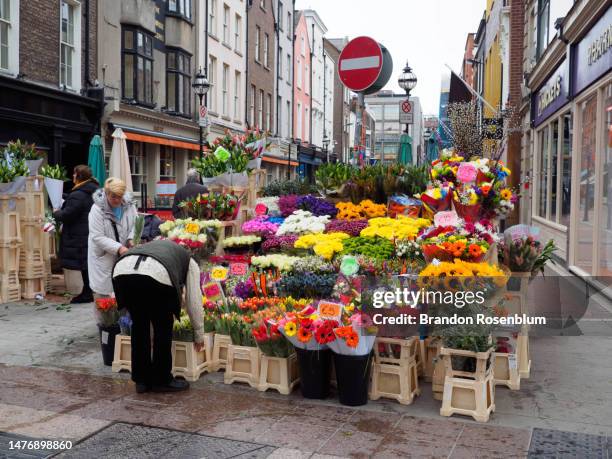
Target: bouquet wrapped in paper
<point x="437" y="199"/>
<point x="357" y="338"/>
<point x="522" y="250"/>
<point x="308" y="329"/>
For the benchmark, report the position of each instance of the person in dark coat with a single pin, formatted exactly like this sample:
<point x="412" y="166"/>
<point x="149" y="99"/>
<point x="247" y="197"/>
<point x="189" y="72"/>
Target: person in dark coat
<point x="75" y="227"/>
<point x="192" y="188"/>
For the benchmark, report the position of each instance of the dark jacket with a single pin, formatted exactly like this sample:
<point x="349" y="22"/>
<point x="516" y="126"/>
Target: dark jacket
<point x="191" y="190"/>
<point x="74" y="217"/>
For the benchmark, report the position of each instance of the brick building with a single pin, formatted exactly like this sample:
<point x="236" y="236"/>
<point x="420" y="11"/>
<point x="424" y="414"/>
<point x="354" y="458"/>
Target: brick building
<point x="48" y="95"/>
<point x="467" y="68"/>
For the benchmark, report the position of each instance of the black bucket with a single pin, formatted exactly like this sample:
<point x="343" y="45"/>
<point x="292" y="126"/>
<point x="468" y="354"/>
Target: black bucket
<point x="315" y="368"/>
<point x="107" y="342"/>
<point x="353" y="376"/>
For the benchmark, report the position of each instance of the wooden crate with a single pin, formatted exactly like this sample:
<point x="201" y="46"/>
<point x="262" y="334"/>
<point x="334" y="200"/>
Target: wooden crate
<point x="228" y="229"/>
<point x="469" y="393"/>
<point x="431" y="349"/>
<point x="33" y="236"/>
<point x="281" y="374"/>
<point x="437" y="378"/>
<point x="219" y="355"/>
<point x="9" y="257"/>
<point x="394" y="351"/>
<point x="187" y="362"/>
<point x="32" y="270"/>
<point x="523" y="355"/>
<point x="32" y="287"/>
<point x="29" y="256"/>
<point x="31" y="205"/>
<point x="123" y="354"/>
<point x="34" y="183"/>
<point x="243" y="364"/>
<point x="398" y="382"/>
<point x="506" y="372"/>
<point x="10" y="290"/>
<point x="10" y="230"/>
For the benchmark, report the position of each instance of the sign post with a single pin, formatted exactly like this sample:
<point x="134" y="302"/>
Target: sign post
<point x="406" y="113"/>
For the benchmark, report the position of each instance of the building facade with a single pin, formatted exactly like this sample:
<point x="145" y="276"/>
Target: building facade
<point x="385" y="106"/>
<point x="301" y="87"/>
<point x="467" y="67"/>
<point x="341" y="105"/>
<point x="147" y="59"/>
<point x="49" y="93"/>
<point x="567" y="146"/>
<point x="221" y="29"/>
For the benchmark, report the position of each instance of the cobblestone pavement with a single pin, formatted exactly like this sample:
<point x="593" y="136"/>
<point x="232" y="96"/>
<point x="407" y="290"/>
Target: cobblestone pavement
<point x="54" y="386"/>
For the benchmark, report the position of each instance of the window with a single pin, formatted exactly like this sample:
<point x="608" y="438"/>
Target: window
<point x="137" y="155"/>
<point x="137" y="66"/>
<point x="260" y="103"/>
<point x="180" y="7"/>
<point x="70" y="65"/>
<point x="288" y="68"/>
<point x="303" y="47"/>
<point x="237" y="87"/>
<point x="543" y="173"/>
<point x="167" y="163"/>
<point x="6" y="28"/>
<point x="212" y="79"/>
<point x="268" y="112"/>
<point x="392" y="112"/>
<point x="252" y="106"/>
<point x="605" y="228"/>
<point x="299" y="116"/>
<point x="289" y="24"/>
<point x="257" y="40"/>
<point x="288" y="118"/>
<point x="226" y="24"/>
<point x="280" y="63"/>
<point x="280" y="15"/>
<point x="306" y="80"/>
<point x="225" y="89"/>
<point x="266" y="50"/>
<point x="238" y="34"/>
<point x="212" y="17"/>
<point x="543" y="21"/>
<point x="279" y="115"/>
<point x="299" y="74"/>
<point x="307" y="124"/>
<point x="262" y="4"/>
<point x="549" y="11"/>
<point x="377" y="111"/>
<point x="178" y="82"/>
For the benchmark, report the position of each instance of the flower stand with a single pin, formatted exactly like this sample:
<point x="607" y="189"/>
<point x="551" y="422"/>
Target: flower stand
<point x="243" y="364"/>
<point x="123" y="354"/>
<point x="187" y="362"/>
<point x="420" y="358"/>
<point x="281" y="374"/>
<point x="516" y="302"/>
<point x="471" y="393"/>
<point x="506" y="371"/>
<point x="437" y="378"/>
<point x="431" y="350"/>
<point x="395" y="378"/>
<point x="219" y="352"/>
<point x="353" y="376"/>
<point x="523" y="356"/>
<point x="314" y="372"/>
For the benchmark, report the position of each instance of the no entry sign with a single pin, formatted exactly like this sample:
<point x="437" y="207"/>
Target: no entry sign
<point x="364" y="65"/>
<point x="406" y="115"/>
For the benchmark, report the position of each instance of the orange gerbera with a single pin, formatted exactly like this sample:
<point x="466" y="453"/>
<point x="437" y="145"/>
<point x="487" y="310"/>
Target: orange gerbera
<point x="475" y="250"/>
<point x="458" y="248"/>
<point x="304" y="335"/>
<point x="447" y="245"/>
<point x="343" y="332"/>
<point x="352" y="340"/>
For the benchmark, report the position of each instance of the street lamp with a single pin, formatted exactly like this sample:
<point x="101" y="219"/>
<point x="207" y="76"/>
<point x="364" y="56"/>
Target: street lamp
<point x="407" y="81"/>
<point x="201" y="87"/>
<point x="326" y="145"/>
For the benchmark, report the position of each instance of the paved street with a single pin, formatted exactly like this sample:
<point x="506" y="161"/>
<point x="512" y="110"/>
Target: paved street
<point x="55" y="387"/>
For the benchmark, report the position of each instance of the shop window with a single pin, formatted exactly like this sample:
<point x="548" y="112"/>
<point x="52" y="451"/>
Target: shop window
<point x="554" y="156"/>
<point x="167" y="164"/>
<point x="543" y="172"/>
<point x="180" y="8"/>
<point x="566" y="170"/>
<point x="605" y="234"/>
<point x="178" y="84"/>
<point x="137" y="154"/>
<point x="137" y="66"/>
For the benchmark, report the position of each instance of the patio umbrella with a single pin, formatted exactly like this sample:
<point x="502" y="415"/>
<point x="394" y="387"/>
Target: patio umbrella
<point x="404" y="153"/>
<point x="96" y="159"/>
<point x="119" y="162"/>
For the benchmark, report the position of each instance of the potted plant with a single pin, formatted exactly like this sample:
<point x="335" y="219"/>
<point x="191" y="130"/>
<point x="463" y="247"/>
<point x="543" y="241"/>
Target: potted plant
<point x="12" y="174"/>
<point x="107" y="317"/>
<point x="27" y="152"/>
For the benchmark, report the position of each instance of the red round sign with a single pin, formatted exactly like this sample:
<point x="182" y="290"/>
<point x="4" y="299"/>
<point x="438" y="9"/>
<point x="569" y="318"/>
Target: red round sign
<point x="406" y="106"/>
<point x="360" y="63"/>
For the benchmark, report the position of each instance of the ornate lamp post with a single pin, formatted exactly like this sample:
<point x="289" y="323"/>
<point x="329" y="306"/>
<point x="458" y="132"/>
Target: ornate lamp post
<point x="407" y="81"/>
<point x="201" y="86"/>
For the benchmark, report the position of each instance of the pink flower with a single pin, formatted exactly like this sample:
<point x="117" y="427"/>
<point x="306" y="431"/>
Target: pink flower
<point x="361" y="320"/>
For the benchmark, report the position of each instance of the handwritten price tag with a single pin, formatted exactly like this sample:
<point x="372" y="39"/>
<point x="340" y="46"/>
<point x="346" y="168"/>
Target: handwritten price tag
<point x="219" y="273"/>
<point x="212" y="291"/>
<point x="447" y="218"/>
<point x="467" y="173"/>
<point x="239" y="269"/>
<point x="330" y="311"/>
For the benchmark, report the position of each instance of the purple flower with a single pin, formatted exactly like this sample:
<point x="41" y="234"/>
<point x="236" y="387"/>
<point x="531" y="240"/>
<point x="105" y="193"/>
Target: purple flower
<point x="317" y="206"/>
<point x="288" y="204"/>
<point x="352" y="228"/>
<point x="260" y="226"/>
<point x="244" y="290"/>
<point x="279" y="243"/>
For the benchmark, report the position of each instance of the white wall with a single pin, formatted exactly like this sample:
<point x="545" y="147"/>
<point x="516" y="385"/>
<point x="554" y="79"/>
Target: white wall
<point x="312" y="18"/>
<point x="284" y="81"/>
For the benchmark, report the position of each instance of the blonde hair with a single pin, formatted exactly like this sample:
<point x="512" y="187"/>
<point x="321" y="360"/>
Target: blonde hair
<point x="115" y="185"/>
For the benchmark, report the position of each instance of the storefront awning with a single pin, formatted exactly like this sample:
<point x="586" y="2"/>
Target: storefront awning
<point x="269" y="159"/>
<point x="146" y="136"/>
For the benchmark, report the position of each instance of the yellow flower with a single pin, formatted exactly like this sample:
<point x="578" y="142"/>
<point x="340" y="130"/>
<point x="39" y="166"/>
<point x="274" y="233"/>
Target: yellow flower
<point x="436" y="193"/>
<point x="290" y="329"/>
<point x="473" y="198"/>
<point x="506" y="194"/>
<point x="192" y="228"/>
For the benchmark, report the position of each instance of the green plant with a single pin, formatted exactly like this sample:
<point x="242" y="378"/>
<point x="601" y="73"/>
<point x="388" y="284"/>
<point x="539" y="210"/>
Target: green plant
<point x="290" y="187"/>
<point x="138" y="227"/>
<point x="22" y="150"/>
<point x="331" y="178"/>
<point x="55" y="172"/>
<point x="12" y="168"/>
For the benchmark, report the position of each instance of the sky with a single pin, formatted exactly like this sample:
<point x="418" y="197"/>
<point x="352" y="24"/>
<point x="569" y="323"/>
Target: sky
<point x="427" y="33"/>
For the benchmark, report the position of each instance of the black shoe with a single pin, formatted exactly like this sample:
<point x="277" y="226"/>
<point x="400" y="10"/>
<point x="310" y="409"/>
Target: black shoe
<point x="142" y="388"/>
<point x="82" y="298"/>
<point x="175" y="385"/>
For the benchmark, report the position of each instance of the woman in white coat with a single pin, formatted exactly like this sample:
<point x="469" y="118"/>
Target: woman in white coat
<point x="111" y="230"/>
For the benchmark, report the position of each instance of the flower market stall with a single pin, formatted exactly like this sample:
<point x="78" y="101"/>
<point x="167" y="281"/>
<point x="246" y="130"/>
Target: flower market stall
<point x="287" y="298"/>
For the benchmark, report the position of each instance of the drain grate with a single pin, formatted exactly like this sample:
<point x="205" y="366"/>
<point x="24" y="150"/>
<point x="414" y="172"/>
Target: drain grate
<point x="558" y="444"/>
<point x="7" y="453"/>
<point x="122" y="440"/>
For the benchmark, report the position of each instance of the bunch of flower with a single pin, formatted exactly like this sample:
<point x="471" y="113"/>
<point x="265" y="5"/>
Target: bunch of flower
<point x="410" y="250"/>
<point x="438" y="198"/>
<point x="190" y="233"/>
<point x="257" y="304"/>
<point x="270" y="341"/>
<point x="447" y="248"/>
<point x="324" y="245"/>
<point x="372" y="210"/>
<point x="303" y="222"/>
<point x="391" y="228"/>
<point x="348" y="335"/>
<point x="307" y="325"/>
<point x="244" y="289"/>
<point x="526" y="254"/>
<point x="490" y="170"/>
<point x="444" y="169"/>
<point x="349" y="211"/>
<point x="316" y="206"/>
<point x="462" y="275"/>
<point x="288" y="204"/>
<point x="307" y="285"/>
<point x="376" y="266"/>
<point x="241" y="241"/>
<point x="313" y="264"/>
<point x="350" y="227"/>
<point x="279" y="243"/>
<point x="374" y="247"/>
<point x="281" y="262"/>
<point x="211" y="206"/>
<point x="260" y="226"/>
<point x="107" y="313"/>
<point x="460" y="268"/>
<point x="240" y="330"/>
<point x="182" y="330"/>
<point x="271" y="204"/>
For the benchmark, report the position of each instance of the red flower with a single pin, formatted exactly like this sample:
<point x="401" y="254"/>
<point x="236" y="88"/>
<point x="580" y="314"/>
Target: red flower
<point x="307" y="324"/>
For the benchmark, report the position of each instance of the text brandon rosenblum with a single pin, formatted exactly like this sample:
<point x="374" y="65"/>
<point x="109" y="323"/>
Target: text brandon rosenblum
<point x="478" y="319"/>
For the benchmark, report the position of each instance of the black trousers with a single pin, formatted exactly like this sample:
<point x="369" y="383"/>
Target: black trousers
<point x="86" y="289"/>
<point x="149" y="303"/>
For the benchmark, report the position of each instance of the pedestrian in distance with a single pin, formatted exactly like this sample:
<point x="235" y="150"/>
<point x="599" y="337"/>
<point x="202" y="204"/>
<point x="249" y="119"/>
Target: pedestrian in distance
<point x="111" y="231"/>
<point x="192" y="188"/>
<point x="149" y="281"/>
<point x="74" y="216"/>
